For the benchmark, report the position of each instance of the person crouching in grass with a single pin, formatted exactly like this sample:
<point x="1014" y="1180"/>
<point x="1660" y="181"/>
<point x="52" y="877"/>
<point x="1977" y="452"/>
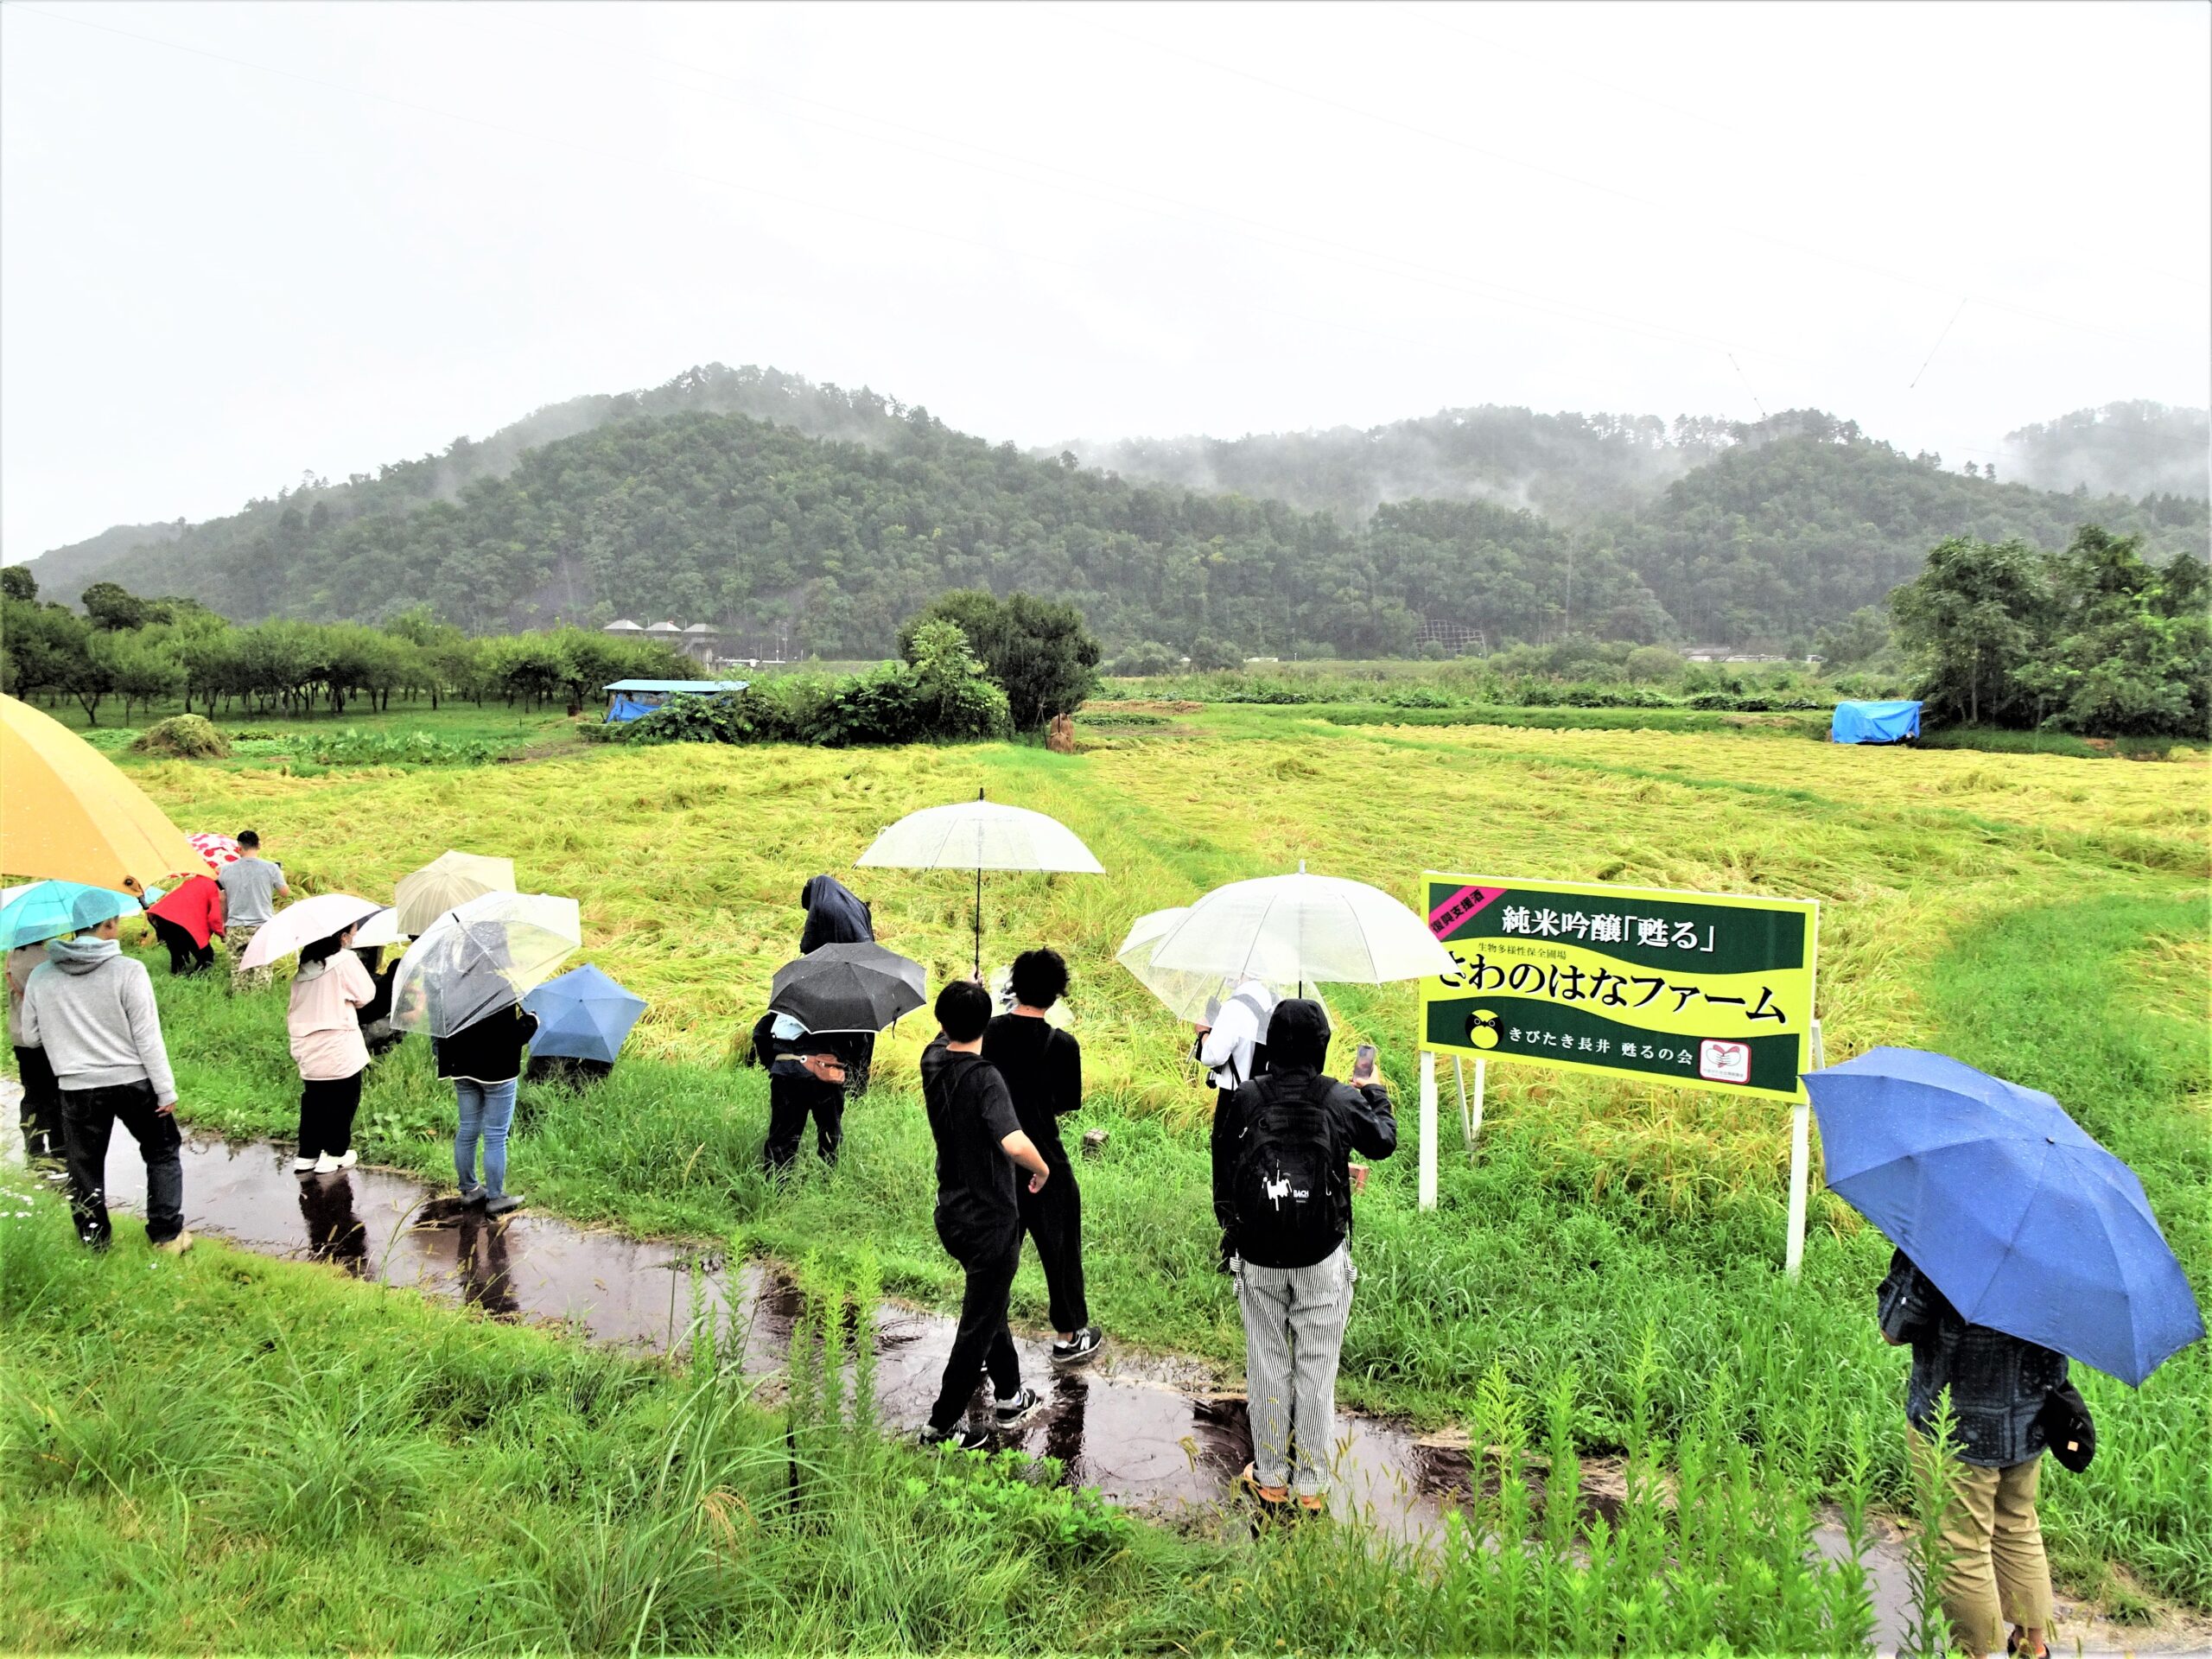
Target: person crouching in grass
<point x="979" y="1143"/>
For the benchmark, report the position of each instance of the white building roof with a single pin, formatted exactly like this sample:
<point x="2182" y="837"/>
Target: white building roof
<point x="623" y="625"/>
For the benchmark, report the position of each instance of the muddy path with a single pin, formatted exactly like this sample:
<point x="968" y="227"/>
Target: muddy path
<point x="1152" y="1433"/>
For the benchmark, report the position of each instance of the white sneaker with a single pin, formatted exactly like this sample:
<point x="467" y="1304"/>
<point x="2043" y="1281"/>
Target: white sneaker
<point x="304" y="1166"/>
<point x="330" y="1163"/>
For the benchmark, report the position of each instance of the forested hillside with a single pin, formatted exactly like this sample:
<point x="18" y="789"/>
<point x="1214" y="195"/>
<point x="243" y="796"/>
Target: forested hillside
<point x="665" y="504"/>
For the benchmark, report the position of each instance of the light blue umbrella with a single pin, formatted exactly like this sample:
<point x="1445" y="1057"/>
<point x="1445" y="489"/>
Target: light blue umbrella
<point x="2022" y="1220"/>
<point x="47" y="910"/>
<point x="582" y="1016"/>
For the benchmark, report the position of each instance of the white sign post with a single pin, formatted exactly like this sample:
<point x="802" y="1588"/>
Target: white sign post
<point x="1427" y="1129"/>
<point x="1801" y="1158"/>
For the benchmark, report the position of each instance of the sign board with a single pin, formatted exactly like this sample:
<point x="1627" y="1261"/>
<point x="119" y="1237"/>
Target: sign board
<point x="1702" y="990"/>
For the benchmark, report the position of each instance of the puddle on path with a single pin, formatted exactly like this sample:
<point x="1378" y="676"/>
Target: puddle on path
<point x="1149" y="1433"/>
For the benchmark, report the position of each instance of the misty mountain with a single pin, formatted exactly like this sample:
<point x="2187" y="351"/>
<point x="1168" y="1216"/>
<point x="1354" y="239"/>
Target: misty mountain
<point x="766" y="505"/>
<point x="2134" y="449"/>
<point x="1568" y="467"/>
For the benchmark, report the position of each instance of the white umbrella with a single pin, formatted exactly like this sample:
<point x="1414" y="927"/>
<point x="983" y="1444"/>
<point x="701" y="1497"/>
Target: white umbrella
<point x="1285" y="930"/>
<point x="979" y="836"/>
<point x="317" y="918"/>
<point x="449" y="881"/>
<point x="1189" y="993"/>
<point x="483" y="956"/>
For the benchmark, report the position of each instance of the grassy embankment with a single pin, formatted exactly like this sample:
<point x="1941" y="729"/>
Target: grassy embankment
<point x="2042" y="917"/>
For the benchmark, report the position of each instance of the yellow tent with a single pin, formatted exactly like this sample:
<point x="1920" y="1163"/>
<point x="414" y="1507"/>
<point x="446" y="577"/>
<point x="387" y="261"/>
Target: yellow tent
<point x="66" y="811"/>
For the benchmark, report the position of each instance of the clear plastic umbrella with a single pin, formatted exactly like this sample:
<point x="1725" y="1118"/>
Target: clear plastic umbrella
<point x="1286" y="930"/>
<point x="979" y="836"/>
<point x="1189" y="993"/>
<point x="449" y="881"/>
<point x="483" y="956"/>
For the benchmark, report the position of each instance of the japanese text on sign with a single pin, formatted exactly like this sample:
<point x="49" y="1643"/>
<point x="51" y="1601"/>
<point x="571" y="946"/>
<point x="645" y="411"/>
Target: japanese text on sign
<point x="1708" y="990"/>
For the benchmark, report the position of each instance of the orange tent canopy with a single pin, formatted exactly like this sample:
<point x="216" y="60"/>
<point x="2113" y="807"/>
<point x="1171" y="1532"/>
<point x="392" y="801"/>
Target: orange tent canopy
<point x="66" y="811"/>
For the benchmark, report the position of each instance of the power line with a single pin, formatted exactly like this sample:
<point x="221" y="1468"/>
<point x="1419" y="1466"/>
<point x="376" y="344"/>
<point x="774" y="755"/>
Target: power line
<point x="1936" y="347"/>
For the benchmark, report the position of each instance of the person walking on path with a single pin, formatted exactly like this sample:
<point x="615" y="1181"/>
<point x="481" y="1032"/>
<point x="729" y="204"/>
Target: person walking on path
<point x="188" y="919"/>
<point x="1999" y="1387"/>
<point x="483" y="1061"/>
<point x="835" y="915"/>
<point x="91" y="1009"/>
<point x="806" y="1078"/>
<point x="979" y="1143"/>
<point x="1283" y="1187"/>
<point x="1234" y="1047"/>
<point x="44" y="1141"/>
<point x="328" y="992"/>
<point x="251" y="886"/>
<point x="1043" y="1069"/>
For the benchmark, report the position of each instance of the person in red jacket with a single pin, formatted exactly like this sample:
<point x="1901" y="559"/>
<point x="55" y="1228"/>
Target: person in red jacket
<point x="188" y="918"/>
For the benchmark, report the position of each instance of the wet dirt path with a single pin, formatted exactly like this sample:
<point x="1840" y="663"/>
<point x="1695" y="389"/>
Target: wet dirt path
<point x="1150" y="1433"/>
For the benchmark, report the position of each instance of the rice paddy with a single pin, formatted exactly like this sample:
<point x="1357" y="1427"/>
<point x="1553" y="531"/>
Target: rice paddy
<point x="2041" y="916"/>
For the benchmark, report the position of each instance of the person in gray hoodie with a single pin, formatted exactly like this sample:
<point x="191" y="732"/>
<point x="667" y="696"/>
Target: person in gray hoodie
<point x="91" y="1009"/>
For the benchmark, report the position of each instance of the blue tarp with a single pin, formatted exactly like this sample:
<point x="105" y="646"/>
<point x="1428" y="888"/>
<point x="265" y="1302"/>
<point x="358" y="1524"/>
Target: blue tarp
<point x="628" y="699"/>
<point x="1875" y="723"/>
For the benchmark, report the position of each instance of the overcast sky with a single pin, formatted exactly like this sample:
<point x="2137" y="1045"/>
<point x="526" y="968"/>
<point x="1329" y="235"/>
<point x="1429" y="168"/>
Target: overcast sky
<point x="238" y="243"/>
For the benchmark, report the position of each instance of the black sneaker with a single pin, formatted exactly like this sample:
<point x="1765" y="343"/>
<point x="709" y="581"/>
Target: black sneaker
<point x="504" y="1205"/>
<point x="1088" y="1341"/>
<point x="1012" y="1414"/>
<point x="959" y="1437"/>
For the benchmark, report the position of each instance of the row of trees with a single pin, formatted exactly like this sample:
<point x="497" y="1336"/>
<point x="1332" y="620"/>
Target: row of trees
<point x="2095" y="639"/>
<point x="147" y="652"/>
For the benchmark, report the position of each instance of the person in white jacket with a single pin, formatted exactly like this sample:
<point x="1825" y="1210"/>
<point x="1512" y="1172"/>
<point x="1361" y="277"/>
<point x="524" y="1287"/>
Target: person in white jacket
<point x="91" y="1009"/>
<point x="1232" y="1046"/>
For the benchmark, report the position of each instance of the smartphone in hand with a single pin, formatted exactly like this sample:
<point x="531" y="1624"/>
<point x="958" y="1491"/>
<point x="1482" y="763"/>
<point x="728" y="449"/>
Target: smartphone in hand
<point x="1363" y="1065"/>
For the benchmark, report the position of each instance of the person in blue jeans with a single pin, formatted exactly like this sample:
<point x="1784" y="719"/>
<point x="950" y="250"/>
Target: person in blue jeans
<point x="483" y="1061"/>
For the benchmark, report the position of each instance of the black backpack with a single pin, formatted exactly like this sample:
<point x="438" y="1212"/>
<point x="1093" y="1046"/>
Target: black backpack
<point x="1285" y="1182"/>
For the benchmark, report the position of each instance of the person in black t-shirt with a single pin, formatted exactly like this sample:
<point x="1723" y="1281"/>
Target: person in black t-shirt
<point x="979" y="1141"/>
<point x="1043" y="1069"/>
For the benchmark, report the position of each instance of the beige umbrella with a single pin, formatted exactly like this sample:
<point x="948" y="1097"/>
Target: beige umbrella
<point x="447" y="882"/>
<point x="67" y="812"/>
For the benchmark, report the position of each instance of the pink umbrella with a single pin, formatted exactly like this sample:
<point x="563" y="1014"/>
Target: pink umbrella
<point x="218" y="850"/>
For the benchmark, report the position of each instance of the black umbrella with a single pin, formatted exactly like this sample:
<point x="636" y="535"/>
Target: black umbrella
<point x="848" y="987"/>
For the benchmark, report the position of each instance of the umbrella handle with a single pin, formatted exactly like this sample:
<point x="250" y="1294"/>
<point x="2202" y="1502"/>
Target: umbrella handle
<point x="979" y="916"/>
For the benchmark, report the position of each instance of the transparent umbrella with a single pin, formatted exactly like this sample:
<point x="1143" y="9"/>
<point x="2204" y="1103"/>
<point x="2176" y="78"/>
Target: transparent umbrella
<point x="475" y="960"/>
<point x="1189" y="993"/>
<point x="979" y="836"/>
<point x="1286" y="930"/>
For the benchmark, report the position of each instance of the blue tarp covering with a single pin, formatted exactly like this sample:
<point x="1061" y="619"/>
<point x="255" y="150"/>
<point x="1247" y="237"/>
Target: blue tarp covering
<point x="628" y="699"/>
<point x="1875" y="723"/>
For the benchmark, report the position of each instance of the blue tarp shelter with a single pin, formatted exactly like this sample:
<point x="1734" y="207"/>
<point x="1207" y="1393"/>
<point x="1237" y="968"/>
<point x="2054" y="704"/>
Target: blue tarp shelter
<point x="628" y="699"/>
<point x="1875" y="723"/>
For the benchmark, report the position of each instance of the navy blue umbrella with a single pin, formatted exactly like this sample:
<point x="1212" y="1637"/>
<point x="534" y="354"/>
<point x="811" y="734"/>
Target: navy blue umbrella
<point x="582" y="1016"/>
<point x="2021" y="1220"/>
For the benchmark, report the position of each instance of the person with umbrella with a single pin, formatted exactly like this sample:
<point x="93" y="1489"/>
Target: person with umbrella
<point x="34" y="913"/>
<point x="483" y="1061"/>
<point x="324" y="1023"/>
<point x="2021" y="1242"/>
<point x="91" y="1009"/>
<point x="819" y="1007"/>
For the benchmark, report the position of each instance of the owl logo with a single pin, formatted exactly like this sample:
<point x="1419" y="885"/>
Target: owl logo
<point x="1482" y="1029"/>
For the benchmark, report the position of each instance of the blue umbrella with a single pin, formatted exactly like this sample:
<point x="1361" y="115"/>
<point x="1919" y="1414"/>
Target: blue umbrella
<point x="47" y="910"/>
<point x="582" y="1016"/>
<point x="2022" y="1220"/>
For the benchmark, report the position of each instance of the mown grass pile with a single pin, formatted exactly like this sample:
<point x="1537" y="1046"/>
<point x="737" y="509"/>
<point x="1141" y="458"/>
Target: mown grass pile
<point x="226" y="1453"/>
<point x="2042" y="916"/>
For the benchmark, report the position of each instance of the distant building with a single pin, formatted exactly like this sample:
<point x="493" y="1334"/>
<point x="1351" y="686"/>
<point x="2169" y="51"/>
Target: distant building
<point x="624" y="625"/>
<point x="698" y="642"/>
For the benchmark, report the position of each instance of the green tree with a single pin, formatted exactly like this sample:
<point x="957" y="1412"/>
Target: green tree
<point x="112" y="606"/>
<point x="17" y="583"/>
<point x="1038" y="650"/>
<point x="1974" y="617"/>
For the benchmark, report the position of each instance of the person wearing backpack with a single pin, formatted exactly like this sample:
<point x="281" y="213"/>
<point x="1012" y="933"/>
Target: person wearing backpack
<point x="1283" y="1186"/>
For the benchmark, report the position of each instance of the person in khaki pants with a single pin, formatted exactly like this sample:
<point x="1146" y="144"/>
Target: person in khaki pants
<point x="1998" y="1384"/>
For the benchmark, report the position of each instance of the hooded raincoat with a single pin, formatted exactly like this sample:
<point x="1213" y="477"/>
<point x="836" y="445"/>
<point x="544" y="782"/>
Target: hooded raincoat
<point x="834" y="915"/>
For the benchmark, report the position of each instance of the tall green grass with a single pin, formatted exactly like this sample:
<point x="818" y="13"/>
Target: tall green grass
<point x="233" y="1454"/>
